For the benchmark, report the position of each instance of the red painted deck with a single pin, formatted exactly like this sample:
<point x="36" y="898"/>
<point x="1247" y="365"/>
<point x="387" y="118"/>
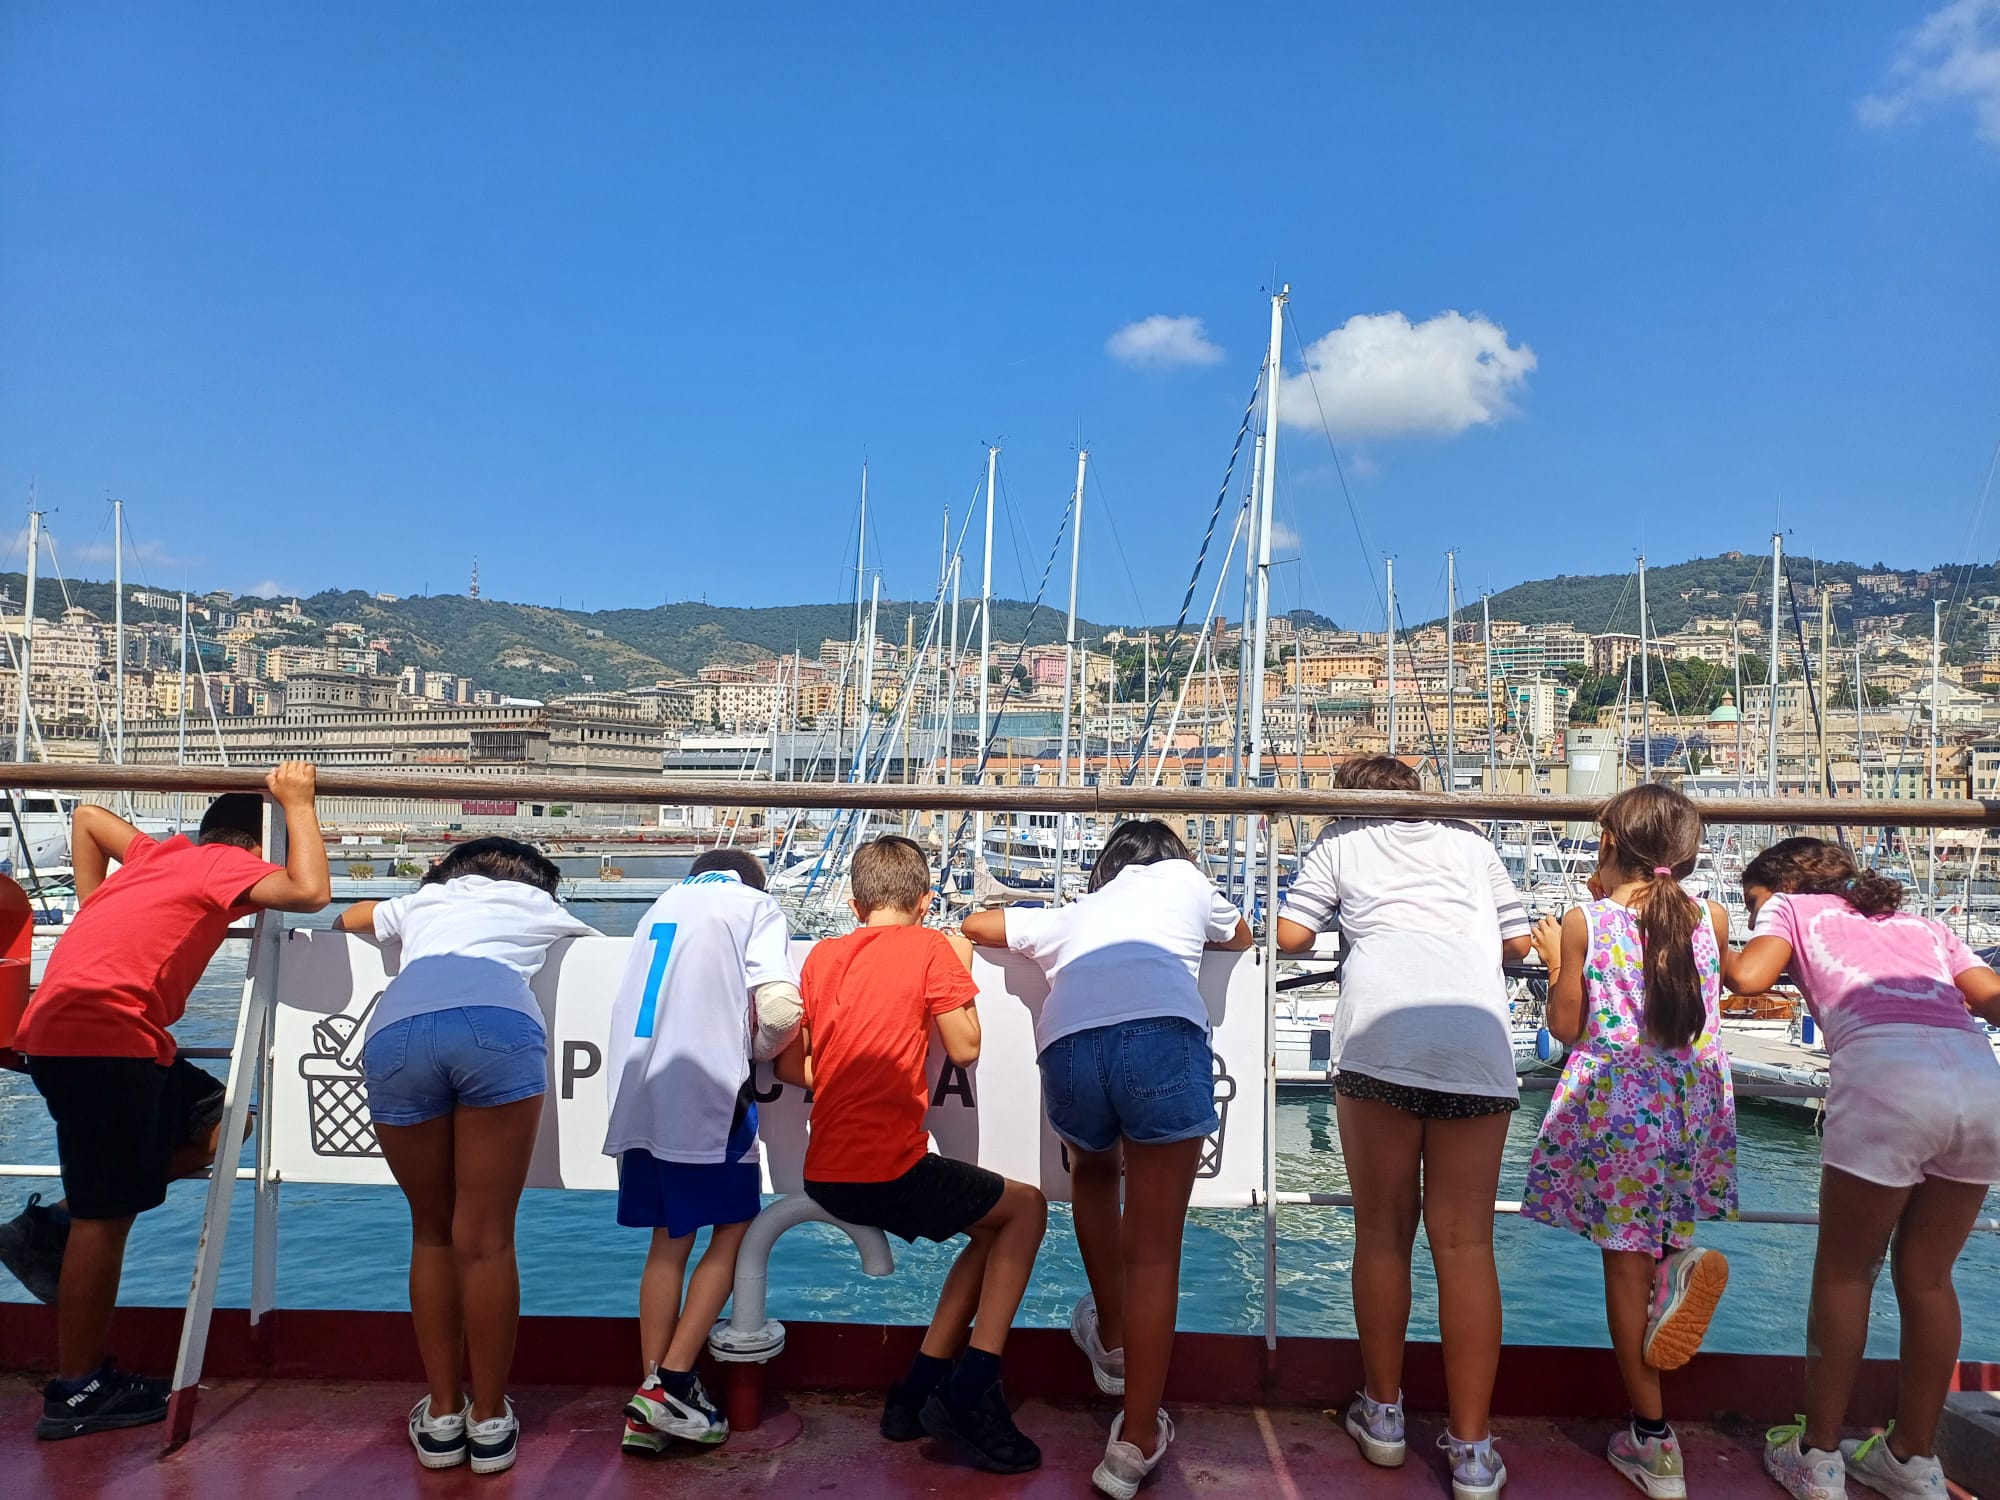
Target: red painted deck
<point x="310" y="1438"/>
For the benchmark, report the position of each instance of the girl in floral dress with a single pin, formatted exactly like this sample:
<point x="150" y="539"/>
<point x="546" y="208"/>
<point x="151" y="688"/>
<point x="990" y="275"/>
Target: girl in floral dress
<point x="1640" y="1139"/>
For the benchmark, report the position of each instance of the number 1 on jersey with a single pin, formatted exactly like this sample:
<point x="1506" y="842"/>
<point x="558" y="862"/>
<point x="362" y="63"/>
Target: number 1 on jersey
<point x="662" y="934"/>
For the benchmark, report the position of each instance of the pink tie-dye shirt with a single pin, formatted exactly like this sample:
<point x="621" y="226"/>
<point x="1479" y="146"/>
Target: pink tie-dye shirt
<point x="1858" y="971"/>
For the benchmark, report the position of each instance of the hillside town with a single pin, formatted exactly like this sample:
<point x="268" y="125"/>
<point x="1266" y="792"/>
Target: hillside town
<point x="1550" y="707"/>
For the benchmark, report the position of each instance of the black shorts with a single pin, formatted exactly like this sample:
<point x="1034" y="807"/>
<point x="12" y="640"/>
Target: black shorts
<point x="1425" y="1104"/>
<point x="939" y="1197"/>
<point x="119" y="1121"/>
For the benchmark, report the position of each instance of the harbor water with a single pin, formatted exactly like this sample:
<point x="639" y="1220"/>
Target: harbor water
<point x="347" y="1247"/>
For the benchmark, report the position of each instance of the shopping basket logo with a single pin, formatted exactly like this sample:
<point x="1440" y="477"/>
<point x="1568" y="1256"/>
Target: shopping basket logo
<point x="336" y="1095"/>
<point x="1210" y="1164"/>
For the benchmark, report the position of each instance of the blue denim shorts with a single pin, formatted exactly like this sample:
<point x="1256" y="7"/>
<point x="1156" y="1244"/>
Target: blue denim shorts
<point x="1150" y="1082"/>
<point x="427" y="1065"/>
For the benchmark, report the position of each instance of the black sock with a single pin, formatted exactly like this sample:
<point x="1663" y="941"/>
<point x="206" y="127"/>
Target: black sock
<point x="925" y="1375"/>
<point x="977" y="1370"/>
<point x="1644" y="1429"/>
<point x="678" y="1383"/>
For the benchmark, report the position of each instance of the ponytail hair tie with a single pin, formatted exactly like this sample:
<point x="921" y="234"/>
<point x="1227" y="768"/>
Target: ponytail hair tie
<point x="1667" y="870"/>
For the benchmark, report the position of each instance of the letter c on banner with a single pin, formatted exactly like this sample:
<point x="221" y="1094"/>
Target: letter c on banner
<point x="580" y="1060"/>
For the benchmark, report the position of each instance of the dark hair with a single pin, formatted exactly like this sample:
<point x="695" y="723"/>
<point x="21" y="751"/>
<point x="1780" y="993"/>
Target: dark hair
<point x="1657" y="832"/>
<point x="1377" y="773"/>
<point x="1136" y="841"/>
<point x="1813" y="867"/>
<point x="235" y="818"/>
<point x="890" y="873"/>
<point x="497" y="859"/>
<point x="741" y="863"/>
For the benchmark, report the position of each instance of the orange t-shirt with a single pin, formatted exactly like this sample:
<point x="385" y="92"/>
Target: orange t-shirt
<point x="869" y="998"/>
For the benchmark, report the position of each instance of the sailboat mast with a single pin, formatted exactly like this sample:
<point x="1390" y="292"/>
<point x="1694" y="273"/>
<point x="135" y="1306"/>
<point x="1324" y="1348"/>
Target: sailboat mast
<point x="1937" y="658"/>
<point x="1266" y="501"/>
<point x="951" y="689"/>
<point x="861" y="557"/>
<point x="1451" y="671"/>
<point x="1645" y="678"/>
<point x="986" y="636"/>
<point x="1492" y="725"/>
<point x="118" y="627"/>
<point x="1736" y="663"/>
<point x="181" y="745"/>
<point x="27" y="637"/>
<point x="1826" y="686"/>
<point x="1777" y="588"/>
<point x="1389" y="565"/>
<point x="1069" y="666"/>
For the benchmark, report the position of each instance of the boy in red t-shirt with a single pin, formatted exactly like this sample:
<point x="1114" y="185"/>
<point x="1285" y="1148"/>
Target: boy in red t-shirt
<point x="131" y="1115"/>
<point x="871" y="999"/>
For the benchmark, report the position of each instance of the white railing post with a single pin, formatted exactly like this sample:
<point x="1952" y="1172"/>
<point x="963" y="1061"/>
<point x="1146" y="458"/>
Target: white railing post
<point x="265" y="957"/>
<point x="247" y="1061"/>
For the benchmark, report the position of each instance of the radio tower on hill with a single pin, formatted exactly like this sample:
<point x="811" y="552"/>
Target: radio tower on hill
<point x="473" y="591"/>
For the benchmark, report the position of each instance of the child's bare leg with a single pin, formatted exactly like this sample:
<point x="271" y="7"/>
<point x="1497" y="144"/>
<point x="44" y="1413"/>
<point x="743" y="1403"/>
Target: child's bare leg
<point x="1628" y="1296"/>
<point x="1158" y="1182"/>
<point x="1461" y="1177"/>
<point x="495" y="1145"/>
<point x="1929" y="1237"/>
<point x="1095" y="1181"/>
<point x="93" y="1261"/>
<point x="1856" y="1220"/>
<point x="421" y="1157"/>
<point x="1017" y="1224"/>
<point x="713" y="1280"/>
<point x="1383" y="1149"/>
<point x="660" y="1296"/>
<point x="958" y="1300"/>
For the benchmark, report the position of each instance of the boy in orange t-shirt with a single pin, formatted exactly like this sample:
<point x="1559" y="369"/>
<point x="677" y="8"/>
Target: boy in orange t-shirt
<point x="871" y="999"/>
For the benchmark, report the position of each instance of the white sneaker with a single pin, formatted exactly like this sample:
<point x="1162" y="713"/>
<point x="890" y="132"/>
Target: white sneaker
<point x="1107" y="1366"/>
<point x="1806" y="1473"/>
<point x="1476" y="1470"/>
<point x="1124" y="1467"/>
<point x="1377" y="1427"/>
<point x="1870" y="1461"/>
<point x="496" y="1442"/>
<point x="439" y="1441"/>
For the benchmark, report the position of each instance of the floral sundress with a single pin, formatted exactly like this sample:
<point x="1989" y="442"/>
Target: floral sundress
<point x="1640" y="1140"/>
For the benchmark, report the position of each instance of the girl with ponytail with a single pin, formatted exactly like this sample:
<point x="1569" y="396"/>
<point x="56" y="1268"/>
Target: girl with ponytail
<point x="1639" y="1142"/>
<point x="1910" y="1143"/>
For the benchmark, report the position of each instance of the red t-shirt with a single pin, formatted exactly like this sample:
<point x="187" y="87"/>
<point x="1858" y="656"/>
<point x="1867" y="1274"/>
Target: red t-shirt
<point x="122" y="973"/>
<point x="869" y="998"/>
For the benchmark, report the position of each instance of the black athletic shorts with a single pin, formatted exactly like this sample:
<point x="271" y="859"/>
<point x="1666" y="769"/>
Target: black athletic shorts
<point x="939" y="1197"/>
<point x="119" y="1121"/>
<point x="1425" y="1104"/>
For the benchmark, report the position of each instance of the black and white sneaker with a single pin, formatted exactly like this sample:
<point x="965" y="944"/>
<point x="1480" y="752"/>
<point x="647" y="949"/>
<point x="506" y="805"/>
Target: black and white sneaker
<point x="985" y="1431"/>
<point x="692" y="1417"/>
<point x="496" y="1442"/>
<point x="108" y="1400"/>
<point x="31" y="1246"/>
<point x="439" y="1441"/>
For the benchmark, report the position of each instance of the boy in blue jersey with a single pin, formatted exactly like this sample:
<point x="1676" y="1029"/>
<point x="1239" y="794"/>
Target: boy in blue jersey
<point x="709" y="986"/>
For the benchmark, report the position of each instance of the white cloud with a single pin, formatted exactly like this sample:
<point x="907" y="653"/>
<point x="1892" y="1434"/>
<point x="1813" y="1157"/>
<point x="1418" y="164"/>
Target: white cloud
<point x="1283" y="537"/>
<point x="1380" y="375"/>
<point x="1163" y="343"/>
<point x="1952" y="55"/>
<point x="268" y="589"/>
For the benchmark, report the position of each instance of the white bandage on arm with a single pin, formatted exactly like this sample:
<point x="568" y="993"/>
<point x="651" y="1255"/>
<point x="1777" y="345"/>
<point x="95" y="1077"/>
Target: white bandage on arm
<point x="779" y="1015"/>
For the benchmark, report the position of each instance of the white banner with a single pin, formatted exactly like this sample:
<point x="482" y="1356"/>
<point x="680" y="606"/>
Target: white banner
<point x="990" y="1113"/>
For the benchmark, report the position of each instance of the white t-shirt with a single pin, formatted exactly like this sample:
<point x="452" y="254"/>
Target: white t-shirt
<point x="1422" y="908"/>
<point x="682" y="1024"/>
<point x="1128" y="951"/>
<point x="470" y="941"/>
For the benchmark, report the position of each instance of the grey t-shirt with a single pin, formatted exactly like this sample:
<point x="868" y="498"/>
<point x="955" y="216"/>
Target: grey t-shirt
<point x="1422" y="908"/>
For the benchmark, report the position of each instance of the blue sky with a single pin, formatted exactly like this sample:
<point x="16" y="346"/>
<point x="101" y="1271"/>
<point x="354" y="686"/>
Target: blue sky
<point x="619" y="297"/>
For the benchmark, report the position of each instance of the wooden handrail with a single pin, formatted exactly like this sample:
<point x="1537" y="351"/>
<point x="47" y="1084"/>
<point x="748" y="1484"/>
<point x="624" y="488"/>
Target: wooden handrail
<point x="474" y="785"/>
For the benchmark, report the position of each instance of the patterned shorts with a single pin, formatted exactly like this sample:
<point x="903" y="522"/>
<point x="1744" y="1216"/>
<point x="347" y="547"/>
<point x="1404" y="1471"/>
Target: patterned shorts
<point x="1425" y="1104"/>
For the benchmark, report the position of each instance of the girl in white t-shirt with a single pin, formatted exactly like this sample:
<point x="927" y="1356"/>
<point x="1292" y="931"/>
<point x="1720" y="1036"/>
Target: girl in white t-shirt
<point x="1129" y="1084"/>
<point x="455" y="1064"/>
<point x="1425" y="1091"/>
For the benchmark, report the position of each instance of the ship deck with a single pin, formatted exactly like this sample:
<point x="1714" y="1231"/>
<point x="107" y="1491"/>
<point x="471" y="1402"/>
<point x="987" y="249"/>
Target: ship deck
<point x="282" y="1437"/>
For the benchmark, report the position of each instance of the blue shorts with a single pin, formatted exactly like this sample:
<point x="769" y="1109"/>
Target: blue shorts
<point x="427" y="1065"/>
<point x="681" y="1197"/>
<point x="1149" y="1082"/>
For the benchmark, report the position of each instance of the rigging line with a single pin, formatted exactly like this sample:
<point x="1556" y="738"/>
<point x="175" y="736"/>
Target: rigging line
<point x="1111" y="521"/>
<point x="1805" y="668"/>
<point x="1175" y="636"/>
<point x="1339" y="469"/>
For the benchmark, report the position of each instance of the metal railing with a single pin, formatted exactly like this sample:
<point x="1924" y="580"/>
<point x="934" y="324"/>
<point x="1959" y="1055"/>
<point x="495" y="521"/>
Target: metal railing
<point x="250" y="1052"/>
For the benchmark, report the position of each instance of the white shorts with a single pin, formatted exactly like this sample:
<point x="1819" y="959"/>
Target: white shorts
<point x="1907" y="1102"/>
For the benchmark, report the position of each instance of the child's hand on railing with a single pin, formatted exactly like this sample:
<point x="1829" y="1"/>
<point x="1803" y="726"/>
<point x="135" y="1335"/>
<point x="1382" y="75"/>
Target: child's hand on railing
<point x="1548" y="942"/>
